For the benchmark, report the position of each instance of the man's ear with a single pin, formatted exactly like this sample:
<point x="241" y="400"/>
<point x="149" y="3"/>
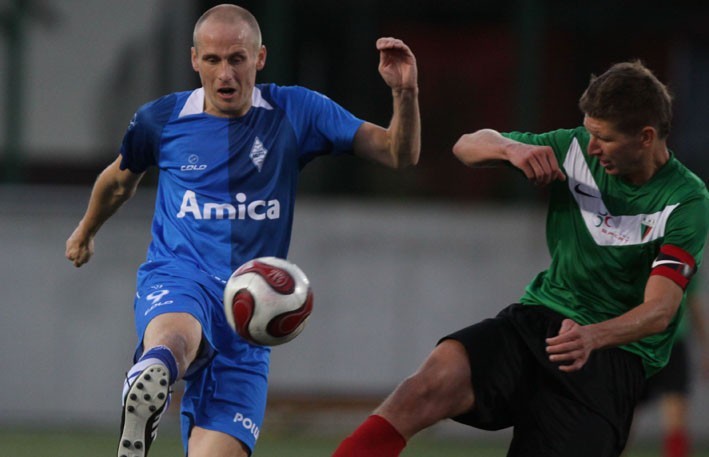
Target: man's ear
<point x="261" y="62"/>
<point x="193" y="58"/>
<point x="647" y="136"/>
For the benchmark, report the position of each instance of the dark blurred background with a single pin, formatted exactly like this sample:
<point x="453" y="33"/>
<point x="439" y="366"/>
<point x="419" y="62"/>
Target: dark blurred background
<point x="505" y="64"/>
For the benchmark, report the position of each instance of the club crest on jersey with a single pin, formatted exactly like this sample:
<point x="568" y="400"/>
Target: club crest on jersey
<point x="647" y="223"/>
<point x="258" y="153"/>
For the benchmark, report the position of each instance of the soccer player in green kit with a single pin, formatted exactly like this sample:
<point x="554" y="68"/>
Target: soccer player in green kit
<point x="626" y="228"/>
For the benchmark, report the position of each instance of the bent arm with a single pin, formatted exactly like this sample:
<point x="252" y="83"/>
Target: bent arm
<point x="399" y="145"/>
<point x="483" y="147"/>
<point x="112" y="188"/>
<point x="653" y="315"/>
<point x="574" y="343"/>
<point x="489" y="147"/>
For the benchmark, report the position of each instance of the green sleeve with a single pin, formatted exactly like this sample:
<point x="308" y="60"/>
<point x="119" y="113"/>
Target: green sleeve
<point x="688" y="226"/>
<point x="558" y="140"/>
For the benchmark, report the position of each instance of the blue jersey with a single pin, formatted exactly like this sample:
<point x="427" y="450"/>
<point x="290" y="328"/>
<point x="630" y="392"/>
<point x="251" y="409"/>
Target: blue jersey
<point x="227" y="186"/>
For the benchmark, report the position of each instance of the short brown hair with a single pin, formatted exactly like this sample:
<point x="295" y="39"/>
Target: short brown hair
<point x="631" y="97"/>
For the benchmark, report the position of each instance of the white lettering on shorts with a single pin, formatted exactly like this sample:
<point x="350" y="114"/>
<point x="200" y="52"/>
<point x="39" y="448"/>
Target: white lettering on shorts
<point x="156" y="298"/>
<point x="247" y="423"/>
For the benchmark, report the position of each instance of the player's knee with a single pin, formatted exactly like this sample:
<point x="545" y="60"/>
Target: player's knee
<point x="443" y="380"/>
<point x="180" y="332"/>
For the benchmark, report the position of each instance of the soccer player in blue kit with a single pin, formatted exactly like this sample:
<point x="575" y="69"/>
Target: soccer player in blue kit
<point x="229" y="154"/>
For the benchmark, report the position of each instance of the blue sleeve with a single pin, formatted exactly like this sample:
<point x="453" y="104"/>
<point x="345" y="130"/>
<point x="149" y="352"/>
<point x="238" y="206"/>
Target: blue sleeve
<point x="321" y="125"/>
<point x="141" y="143"/>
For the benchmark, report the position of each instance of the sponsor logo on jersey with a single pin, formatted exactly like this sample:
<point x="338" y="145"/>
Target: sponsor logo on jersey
<point x="193" y="164"/>
<point x="605" y="228"/>
<point x="580" y="190"/>
<point x="256" y="210"/>
<point x="679" y="265"/>
<point x="258" y="153"/>
<point x="248" y="423"/>
<point x="605" y="220"/>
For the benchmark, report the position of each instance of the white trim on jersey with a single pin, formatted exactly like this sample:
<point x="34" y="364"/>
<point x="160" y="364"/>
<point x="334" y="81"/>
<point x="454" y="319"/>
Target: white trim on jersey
<point x="258" y="101"/>
<point x="195" y="102"/>
<point x="605" y="228"/>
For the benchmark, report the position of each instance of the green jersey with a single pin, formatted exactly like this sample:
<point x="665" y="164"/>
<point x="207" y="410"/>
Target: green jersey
<point x="604" y="233"/>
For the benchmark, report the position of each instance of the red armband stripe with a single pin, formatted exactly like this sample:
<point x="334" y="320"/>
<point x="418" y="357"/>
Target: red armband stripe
<point x="674" y="275"/>
<point x="675" y="264"/>
<point x="679" y="253"/>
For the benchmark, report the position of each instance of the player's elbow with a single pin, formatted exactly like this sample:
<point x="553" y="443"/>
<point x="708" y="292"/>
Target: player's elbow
<point x="481" y="148"/>
<point x="459" y="147"/>
<point x="400" y="156"/>
<point x="661" y="319"/>
<point x="463" y="151"/>
<point x="408" y="159"/>
<point x="664" y="320"/>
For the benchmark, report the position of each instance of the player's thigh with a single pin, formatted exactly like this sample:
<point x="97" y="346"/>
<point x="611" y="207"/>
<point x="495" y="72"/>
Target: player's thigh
<point x="179" y="330"/>
<point x="501" y="372"/>
<point x="440" y="388"/>
<point x="166" y="307"/>
<point x="209" y="443"/>
<point x="446" y="378"/>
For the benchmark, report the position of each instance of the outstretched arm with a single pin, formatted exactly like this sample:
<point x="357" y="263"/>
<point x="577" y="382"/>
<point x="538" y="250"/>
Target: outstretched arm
<point x="113" y="187"/>
<point x="574" y="343"/>
<point x="488" y="147"/>
<point x="398" y="145"/>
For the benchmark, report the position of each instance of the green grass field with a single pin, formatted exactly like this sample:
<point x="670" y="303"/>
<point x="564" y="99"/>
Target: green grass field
<point x="58" y="443"/>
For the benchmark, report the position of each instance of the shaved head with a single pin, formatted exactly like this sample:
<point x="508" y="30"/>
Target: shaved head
<point x="229" y="15"/>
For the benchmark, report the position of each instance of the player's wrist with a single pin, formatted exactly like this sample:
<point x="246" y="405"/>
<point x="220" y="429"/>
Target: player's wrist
<point x="86" y="230"/>
<point x="404" y="91"/>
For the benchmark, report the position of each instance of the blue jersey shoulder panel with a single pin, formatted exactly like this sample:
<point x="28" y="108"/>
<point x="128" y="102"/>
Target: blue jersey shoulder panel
<point x="141" y="143"/>
<point x="322" y="126"/>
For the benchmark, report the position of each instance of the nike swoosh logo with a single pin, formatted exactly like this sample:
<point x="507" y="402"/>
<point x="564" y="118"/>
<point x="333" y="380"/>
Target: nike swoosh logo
<point x="578" y="190"/>
<point x="657" y="263"/>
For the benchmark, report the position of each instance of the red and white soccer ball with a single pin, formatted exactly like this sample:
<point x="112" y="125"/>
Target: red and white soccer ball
<point x="268" y="301"/>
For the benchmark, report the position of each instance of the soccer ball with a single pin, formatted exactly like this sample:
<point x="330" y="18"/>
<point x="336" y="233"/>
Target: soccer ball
<point x="268" y="301"/>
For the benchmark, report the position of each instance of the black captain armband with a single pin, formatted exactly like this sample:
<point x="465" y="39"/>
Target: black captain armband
<point x="674" y="263"/>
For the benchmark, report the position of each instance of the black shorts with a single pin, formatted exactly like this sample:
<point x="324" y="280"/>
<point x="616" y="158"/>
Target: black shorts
<point x="554" y="414"/>
<point x="673" y="378"/>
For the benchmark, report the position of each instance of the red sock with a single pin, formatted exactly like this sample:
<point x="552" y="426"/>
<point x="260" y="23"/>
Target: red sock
<point x="677" y="444"/>
<point x="375" y="437"/>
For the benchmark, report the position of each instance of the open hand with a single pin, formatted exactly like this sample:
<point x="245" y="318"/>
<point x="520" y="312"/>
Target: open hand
<point x="571" y="347"/>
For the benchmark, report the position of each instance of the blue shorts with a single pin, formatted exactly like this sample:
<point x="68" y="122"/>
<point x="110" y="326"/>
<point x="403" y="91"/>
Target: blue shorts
<point x="225" y="387"/>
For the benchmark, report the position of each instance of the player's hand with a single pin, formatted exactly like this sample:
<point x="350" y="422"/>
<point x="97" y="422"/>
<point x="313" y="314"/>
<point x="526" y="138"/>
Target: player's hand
<point x="572" y="347"/>
<point x="79" y="247"/>
<point x="538" y="163"/>
<point x="397" y="64"/>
